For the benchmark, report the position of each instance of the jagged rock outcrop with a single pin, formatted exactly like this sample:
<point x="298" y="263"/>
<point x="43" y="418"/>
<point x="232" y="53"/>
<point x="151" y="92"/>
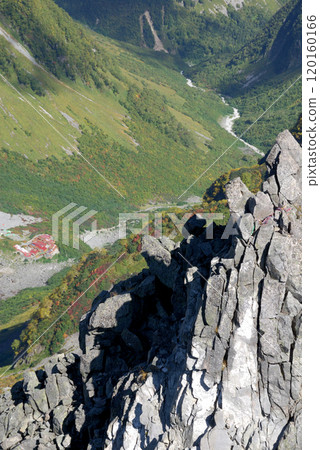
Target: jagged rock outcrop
<point x="200" y="351"/>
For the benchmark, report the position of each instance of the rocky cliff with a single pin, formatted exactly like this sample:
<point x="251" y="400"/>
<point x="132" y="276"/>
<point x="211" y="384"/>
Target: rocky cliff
<point x="200" y="351"/>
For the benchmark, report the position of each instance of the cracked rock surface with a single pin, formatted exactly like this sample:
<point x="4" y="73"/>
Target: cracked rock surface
<point x="200" y="351"/>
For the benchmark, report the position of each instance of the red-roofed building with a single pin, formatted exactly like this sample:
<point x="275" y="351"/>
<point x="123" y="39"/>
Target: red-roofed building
<point x="40" y="246"/>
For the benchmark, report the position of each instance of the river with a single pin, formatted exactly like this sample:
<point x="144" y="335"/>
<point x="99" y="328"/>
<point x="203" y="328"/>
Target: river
<point x="227" y="122"/>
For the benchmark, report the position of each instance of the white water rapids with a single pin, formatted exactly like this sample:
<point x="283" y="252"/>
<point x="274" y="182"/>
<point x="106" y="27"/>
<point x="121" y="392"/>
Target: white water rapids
<point x="227" y="121"/>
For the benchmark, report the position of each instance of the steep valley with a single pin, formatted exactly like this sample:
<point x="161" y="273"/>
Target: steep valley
<point x="64" y="121"/>
<point x="130" y="107"/>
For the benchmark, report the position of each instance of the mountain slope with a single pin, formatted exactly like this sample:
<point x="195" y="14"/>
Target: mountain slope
<point x="52" y="127"/>
<point x="263" y="77"/>
<point x="54" y="39"/>
<point x="183" y="27"/>
<point x="201" y="350"/>
<point x="131" y="116"/>
<point x="276" y="49"/>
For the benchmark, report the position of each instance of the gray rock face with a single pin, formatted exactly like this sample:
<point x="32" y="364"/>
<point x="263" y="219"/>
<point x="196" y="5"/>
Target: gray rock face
<point x="222" y="370"/>
<point x="33" y="413"/>
<point x="229" y="384"/>
<point x="115" y="313"/>
<point x="237" y="194"/>
<point x="261" y="206"/>
<point x="160" y="261"/>
<point x="284" y="163"/>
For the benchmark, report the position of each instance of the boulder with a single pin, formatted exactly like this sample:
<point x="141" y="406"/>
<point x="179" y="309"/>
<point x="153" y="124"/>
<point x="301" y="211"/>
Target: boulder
<point x="271" y="188"/>
<point x="260" y="206"/>
<point x="246" y="226"/>
<point x="11" y="442"/>
<point x="115" y="313"/>
<point x="131" y="341"/>
<point x="237" y="194"/>
<point x="65" y="389"/>
<point x="30" y="382"/>
<point x="27" y="444"/>
<point x="52" y="391"/>
<point x="15" y="418"/>
<point x="167" y="243"/>
<point x="160" y="261"/>
<point x="91" y="362"/>
<point x="59" y="415"/>
<point x="80" y="418"/>
<point x="147" y="288"/>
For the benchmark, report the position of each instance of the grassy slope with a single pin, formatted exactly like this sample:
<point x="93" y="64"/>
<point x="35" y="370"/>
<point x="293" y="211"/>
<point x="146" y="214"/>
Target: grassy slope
<point x="64" y="47"/>
<point x="159" y="168"/>
<point x="17" y="311"/>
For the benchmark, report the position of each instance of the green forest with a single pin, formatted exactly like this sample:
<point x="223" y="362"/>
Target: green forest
<point x="183" y="30"/>
<point x="62" y="46"/>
